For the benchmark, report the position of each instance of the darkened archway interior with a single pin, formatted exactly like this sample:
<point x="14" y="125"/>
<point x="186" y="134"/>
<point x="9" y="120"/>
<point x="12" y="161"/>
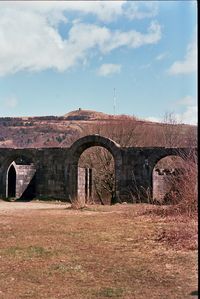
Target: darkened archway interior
<point x="12" y="181"/>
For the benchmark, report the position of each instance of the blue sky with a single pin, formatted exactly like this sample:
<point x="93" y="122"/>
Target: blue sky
<point x="57" y="56"/>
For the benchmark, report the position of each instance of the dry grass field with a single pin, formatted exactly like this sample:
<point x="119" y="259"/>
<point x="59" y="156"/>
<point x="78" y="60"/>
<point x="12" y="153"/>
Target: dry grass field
<point x="48" y="250"/>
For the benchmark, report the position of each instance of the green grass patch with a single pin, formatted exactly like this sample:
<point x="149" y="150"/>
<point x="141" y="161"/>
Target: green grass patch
<point x="26" y="252"/>
<point x="110" y="292"/>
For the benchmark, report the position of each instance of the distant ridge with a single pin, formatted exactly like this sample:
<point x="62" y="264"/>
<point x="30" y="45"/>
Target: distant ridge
<point x="62" y="131"/>
<point x="82" y="114"/>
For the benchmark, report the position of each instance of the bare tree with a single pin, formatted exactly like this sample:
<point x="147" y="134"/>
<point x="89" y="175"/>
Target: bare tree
<point x="131" y="132"/>
<point x="183" y="183"/>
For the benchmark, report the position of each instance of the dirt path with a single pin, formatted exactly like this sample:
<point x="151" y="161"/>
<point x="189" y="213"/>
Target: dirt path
<point x="35" y="205"/>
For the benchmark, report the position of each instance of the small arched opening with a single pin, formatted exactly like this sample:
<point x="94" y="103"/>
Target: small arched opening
<point x="20" y="178"/>
<point x="11" y="182"/>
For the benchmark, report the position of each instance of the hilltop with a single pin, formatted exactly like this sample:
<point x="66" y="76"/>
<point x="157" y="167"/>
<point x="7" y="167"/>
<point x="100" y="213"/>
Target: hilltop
<point x="86" y="115"/>
<point x="50" y="131"/>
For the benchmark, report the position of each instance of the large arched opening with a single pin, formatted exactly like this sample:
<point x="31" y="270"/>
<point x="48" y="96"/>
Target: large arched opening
<point x="89" y="143"/>
<point x="96" y="176"/>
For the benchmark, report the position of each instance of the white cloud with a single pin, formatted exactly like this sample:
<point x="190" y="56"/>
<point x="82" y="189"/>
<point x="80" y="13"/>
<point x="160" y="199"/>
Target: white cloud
<point x="140" y="9"/>
<point x="105" y="11"/>
<point x="133" y="39"/>
<point x="109" y="69"/>
<point x="153" y="119"/>
<point x="187" y="100"/>
<point x="188" y="64"/>
<point x="189" y="116"/>
<point x="161" y="56"/>
<point x="30" y="40"/>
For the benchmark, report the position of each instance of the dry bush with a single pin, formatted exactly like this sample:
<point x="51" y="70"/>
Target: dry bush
<point x="183" y="193"/>
<point x="182" y="236"/>
<point x="187" y="188"/>
<point x="172" y="131"/>
<point x="137" y="193"/>
<point x="124" y="131"/>
<point x="182" y="197"/>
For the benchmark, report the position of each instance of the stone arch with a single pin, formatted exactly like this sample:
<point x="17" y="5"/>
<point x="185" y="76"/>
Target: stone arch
<point x="12" y="156"/>
<point x="75" y="151"/>
<point x="161" y="153"/>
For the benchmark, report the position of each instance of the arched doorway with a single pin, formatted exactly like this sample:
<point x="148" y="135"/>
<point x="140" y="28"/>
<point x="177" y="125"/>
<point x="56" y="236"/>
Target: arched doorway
<point x="75" y="152"/>
<point x="11" y="181"/>
<point x="96" y="176"/>
<point x="20" y="178"/>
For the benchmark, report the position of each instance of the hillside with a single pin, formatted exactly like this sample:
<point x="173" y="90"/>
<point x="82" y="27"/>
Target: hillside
<point x="50" y="131"/>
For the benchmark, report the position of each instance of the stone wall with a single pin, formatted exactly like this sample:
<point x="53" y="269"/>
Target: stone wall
<point x="24" y="176"/>
<point x="56" y="175"/>
<point x="165" y="181"/>
<point x="85" y="184"/>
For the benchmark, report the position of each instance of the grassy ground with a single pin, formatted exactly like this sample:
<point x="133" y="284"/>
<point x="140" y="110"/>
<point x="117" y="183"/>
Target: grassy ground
<point x="117" y="251"/>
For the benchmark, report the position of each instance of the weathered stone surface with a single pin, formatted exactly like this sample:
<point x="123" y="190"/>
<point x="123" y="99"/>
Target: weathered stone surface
<point x="56" y="169"/>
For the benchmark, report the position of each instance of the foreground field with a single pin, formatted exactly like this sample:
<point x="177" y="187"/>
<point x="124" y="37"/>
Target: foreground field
<point x="122" y="251"/>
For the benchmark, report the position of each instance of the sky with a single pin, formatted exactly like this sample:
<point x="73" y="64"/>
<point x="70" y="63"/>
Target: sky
<point x="119" y="57"/>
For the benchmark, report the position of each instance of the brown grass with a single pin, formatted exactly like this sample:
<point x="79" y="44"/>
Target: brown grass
<point x="97" y="252"/>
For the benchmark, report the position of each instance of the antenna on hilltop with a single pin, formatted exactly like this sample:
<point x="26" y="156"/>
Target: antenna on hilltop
<point x="114" y="101"/>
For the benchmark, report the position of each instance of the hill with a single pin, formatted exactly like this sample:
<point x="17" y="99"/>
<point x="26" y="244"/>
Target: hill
<point x="86" y="115"/>
<point x="50" y="131"/>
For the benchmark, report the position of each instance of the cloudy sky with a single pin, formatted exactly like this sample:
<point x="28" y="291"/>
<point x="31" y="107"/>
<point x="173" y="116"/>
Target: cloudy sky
<point x="57" y="56"/>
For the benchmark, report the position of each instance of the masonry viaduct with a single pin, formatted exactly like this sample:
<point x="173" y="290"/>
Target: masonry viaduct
<point x="55" y="169"/>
